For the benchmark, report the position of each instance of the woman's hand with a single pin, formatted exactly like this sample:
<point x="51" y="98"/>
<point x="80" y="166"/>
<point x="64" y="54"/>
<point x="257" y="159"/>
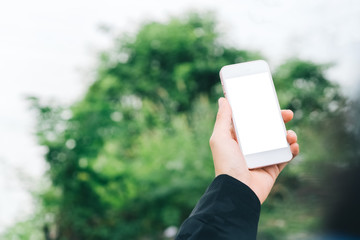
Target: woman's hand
<point x="228" y="158"/>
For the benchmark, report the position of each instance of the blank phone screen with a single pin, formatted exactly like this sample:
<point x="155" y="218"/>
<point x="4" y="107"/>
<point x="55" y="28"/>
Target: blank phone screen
<point x="255" y="113"/>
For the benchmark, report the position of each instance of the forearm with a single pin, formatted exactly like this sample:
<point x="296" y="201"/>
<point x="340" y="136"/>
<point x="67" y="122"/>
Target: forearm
<point x="228" y="210"/>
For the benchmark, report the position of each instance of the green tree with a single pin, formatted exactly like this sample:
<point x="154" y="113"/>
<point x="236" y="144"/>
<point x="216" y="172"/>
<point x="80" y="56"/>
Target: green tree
<point x="132" y="159"/>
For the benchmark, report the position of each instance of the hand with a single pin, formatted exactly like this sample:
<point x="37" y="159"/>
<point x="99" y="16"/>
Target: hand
<point x="228" y="158"/>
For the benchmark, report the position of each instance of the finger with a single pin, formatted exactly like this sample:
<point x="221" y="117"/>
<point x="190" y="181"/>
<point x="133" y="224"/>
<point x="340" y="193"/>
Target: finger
<point x="281" y="166"/>
<point x="291" y="137"/>
<point x="223" y="118"/>
<point x="295" y="149"/>
<point x="233" y="132"/>
<point x="287" y="115"/>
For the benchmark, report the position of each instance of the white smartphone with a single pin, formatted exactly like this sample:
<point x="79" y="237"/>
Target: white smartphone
<point x="256" y="114"/>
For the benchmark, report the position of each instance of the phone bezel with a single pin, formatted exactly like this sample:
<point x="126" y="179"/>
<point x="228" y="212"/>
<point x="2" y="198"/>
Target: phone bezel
<point x="260" y="159"/>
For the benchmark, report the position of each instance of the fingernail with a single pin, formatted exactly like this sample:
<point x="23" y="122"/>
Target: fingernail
<point x="220" y="101"/>
<point x="292" y="132"/>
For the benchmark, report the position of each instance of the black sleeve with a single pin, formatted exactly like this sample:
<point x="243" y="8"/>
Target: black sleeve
<point x="228" y="210"/>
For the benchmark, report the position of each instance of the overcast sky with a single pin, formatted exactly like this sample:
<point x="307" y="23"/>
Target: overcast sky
<point x="47" y="49"/>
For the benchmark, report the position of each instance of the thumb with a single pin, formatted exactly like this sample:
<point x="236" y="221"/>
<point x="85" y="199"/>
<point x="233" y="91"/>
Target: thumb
<point x="223" y="118"/>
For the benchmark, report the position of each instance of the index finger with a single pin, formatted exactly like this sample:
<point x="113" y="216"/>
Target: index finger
<point x="287" y="115"/>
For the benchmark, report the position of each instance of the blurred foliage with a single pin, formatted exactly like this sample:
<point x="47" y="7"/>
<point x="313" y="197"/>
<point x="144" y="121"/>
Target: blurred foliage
<point x="131" y="158"/>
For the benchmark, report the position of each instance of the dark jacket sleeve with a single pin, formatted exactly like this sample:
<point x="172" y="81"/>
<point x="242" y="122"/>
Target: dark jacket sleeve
<point x="228" y="210"/>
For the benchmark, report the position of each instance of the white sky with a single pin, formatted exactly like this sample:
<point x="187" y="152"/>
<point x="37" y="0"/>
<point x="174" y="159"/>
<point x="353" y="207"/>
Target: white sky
<point x="47" y="48"/>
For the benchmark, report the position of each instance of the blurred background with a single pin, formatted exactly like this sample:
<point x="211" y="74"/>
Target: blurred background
<point x="107" y="107"/>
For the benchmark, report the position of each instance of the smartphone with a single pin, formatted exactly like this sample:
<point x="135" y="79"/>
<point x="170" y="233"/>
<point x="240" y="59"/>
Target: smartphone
<point x="256" y="115"/>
